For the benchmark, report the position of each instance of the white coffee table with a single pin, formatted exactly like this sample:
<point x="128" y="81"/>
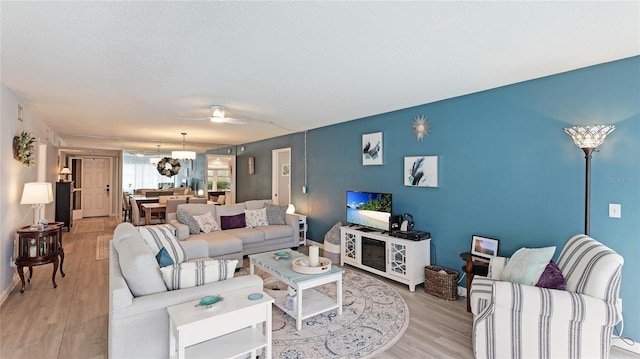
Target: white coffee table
<point x="228" y="329"/>
<point x="316" y="302"/>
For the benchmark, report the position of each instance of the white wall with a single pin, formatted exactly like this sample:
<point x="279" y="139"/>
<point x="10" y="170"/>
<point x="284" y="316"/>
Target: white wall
<point x="13" y="177"/>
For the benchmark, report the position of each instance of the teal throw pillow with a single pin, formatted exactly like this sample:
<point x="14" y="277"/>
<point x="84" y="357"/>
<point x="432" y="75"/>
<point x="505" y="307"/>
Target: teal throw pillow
<point x="163" y="258"/>
<point x="527" y="264"/>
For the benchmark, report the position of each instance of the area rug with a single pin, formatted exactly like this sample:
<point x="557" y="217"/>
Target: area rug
<point x="102" y="247"/>
<point x="374" y="317"/>
<point x="89" y="225"/>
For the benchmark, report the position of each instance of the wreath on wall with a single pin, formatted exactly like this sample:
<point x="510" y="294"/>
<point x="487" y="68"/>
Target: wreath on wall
<point x="23" y="148"/>
<point x="168" y="167"/>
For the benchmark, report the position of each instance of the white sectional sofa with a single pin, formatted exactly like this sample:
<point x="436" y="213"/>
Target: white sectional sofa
<point x="237" y="242"/>
<point x="138" y="296"/>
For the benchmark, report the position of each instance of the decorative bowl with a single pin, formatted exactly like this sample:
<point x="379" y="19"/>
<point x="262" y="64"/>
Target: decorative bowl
<point x="282" y="255"/>
<point x="209" y="301"/>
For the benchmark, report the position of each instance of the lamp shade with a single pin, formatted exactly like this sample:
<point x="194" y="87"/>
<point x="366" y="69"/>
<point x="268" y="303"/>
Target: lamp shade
<point x="37" y="193"/>
<point x="183" y="155"/>
<point x="291" y="208"/>
<point x="590" y="136"/>
<point x="65" y="171"/>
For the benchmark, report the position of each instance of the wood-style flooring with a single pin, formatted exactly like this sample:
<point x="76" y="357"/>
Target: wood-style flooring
<point x="71" y="321"/>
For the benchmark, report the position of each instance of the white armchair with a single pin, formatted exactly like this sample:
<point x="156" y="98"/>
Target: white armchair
<point x="512" y="320"/>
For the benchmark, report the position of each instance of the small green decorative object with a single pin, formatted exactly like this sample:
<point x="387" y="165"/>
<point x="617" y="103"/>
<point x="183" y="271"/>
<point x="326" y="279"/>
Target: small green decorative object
<point x="24" y="149"/>
<point x="168" y="167"/>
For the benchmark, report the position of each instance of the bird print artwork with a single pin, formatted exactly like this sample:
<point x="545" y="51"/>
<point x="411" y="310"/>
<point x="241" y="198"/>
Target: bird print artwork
<point x="372" y="149"/>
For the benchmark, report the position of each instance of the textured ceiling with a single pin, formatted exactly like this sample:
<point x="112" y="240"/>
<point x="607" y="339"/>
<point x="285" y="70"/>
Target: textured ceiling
<point x="120" y="74"/>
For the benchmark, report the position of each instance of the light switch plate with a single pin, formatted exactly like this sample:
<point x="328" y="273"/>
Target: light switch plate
<point x="615" y="210"/>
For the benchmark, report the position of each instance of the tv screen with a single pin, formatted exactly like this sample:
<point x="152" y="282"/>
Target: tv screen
<point x="369" y="209"/>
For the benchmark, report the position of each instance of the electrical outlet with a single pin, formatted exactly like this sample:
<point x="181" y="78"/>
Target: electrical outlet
<point x="12" y="262"/>
<point x="615" y="210"/>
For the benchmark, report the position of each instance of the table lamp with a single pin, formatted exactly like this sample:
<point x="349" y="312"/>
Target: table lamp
<point x="37" y="194"/>
<point x="65" y="174"/>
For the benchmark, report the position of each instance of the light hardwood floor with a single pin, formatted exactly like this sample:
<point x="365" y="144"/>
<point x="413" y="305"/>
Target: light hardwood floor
<point x="71" y="321"/>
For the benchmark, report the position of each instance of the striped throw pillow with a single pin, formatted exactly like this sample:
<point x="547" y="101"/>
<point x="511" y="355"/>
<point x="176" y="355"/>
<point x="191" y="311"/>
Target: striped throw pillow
<point x="162" y="236"/>
<point x="197" y="272"/>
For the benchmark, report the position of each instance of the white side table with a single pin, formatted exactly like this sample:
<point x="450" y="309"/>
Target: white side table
<point x="228" y="329"/>
<point x="302" y="219"/>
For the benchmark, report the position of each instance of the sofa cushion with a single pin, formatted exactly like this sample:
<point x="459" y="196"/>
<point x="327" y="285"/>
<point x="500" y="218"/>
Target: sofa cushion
<point x="228" y="210"/>
<point x="188" y="220"/>
<point x="163" y="258"/>
<point x="247" y="235"/>
<point x="158" y="237"/>
<point x="276" y="214"/>
<point x="231" y="222"/>
<point x="140" y="268"/>
<point x="552" y="277"/>
<point x="275" y="232"/>
<point x="198" y="272"/>
<point x="257" y="203"/>
<point x="256" y="217"/>
<point x="206" y="222"/>
<point x="527" y="264"/>
<point x="195" y="209"/>
<point x="221" y="243"/>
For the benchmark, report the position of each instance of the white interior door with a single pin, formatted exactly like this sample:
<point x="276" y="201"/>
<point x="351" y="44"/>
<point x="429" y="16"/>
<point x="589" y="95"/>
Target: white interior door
<point x="96" y="191"/>
<point x="281" y="173"/>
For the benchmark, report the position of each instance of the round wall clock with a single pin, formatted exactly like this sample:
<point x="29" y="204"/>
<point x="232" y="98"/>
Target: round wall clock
<point x="420" y="127"/>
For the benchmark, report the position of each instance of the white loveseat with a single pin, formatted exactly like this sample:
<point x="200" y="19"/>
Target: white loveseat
<point x="138" y="296"/>
<point x="513" y="320"/>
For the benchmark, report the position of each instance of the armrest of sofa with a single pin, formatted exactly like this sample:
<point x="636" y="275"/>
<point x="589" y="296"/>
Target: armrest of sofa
<point x="182" y="230"/>
<point x="294" y="221"/>
<point x="196" y="248"/>
<point x="160" y="301"/>
<point x="559" y="306"/>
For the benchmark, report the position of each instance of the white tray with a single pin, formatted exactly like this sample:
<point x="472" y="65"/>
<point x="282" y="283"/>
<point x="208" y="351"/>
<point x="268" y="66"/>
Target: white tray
<point x="323" y="266"/>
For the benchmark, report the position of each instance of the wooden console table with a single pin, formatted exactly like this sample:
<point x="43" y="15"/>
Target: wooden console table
<point x="38" y="246"/>
<point x="471" y="268"/>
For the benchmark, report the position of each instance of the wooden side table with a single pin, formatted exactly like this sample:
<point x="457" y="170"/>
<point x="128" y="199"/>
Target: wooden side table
<point x="38" y="246"/>
<point x="472" y="267"/>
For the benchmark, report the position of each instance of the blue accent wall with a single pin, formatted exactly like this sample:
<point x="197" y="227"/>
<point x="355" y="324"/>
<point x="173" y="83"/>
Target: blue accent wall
<point x="506" y="168"/>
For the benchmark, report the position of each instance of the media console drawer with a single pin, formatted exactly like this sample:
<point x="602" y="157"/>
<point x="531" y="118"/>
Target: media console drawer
<point x="398" y="259"/>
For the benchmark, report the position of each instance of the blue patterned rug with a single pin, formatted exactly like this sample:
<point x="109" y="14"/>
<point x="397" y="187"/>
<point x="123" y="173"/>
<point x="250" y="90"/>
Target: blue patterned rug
<point x="374" y="316"/>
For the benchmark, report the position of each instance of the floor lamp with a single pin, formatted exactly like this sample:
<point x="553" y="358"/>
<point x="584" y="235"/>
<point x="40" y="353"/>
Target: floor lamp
<point x="588" y="138"/>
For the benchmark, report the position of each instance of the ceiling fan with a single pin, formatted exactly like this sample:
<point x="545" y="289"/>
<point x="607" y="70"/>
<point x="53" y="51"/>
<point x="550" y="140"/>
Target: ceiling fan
<point x="219" y="115"/>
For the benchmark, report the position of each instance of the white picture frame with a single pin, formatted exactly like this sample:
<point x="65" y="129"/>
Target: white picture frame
<point x="421" y="171"/>
<point x="372" y="149"/>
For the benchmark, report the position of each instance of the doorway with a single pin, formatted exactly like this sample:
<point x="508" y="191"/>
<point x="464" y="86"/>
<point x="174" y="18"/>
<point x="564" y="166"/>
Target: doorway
<point x="221" y="178"/>
<point x="281" y="173"/>
<point x="95" y="186"/>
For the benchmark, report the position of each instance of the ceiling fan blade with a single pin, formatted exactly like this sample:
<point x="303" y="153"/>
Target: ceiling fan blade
<point x="194" y="118"/>
<point x="230" y="120"/>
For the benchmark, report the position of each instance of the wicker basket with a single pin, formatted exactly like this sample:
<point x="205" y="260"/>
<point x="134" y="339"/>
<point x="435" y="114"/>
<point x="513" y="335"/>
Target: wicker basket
<point x="441" y="285"/>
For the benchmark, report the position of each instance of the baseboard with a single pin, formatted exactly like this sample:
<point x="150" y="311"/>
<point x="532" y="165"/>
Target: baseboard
<point x="5" y="293"/>
<point x="634" y="348"/>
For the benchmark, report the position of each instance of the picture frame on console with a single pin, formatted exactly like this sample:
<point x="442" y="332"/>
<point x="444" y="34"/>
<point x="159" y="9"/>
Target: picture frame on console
<point x="372" y="149"/>
<point x="421" y="171"/>
<point x="484" y="247"/>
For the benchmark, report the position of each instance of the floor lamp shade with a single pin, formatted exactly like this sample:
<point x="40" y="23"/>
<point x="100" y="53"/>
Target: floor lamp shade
<point x="588" y="138"/>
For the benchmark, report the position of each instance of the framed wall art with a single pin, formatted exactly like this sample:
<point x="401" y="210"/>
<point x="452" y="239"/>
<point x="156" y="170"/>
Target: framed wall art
<point x="421" y="171"/>
<point x="372" y="149"/>
<point x="285" y="169"/>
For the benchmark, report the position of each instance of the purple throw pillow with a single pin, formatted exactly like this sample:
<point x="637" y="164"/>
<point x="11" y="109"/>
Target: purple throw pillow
<point x="229" y="222"/>
<point x="552" y="278"/>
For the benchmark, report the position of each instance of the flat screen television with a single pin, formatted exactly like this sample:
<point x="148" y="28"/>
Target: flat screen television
<point x="370" y="210"/>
